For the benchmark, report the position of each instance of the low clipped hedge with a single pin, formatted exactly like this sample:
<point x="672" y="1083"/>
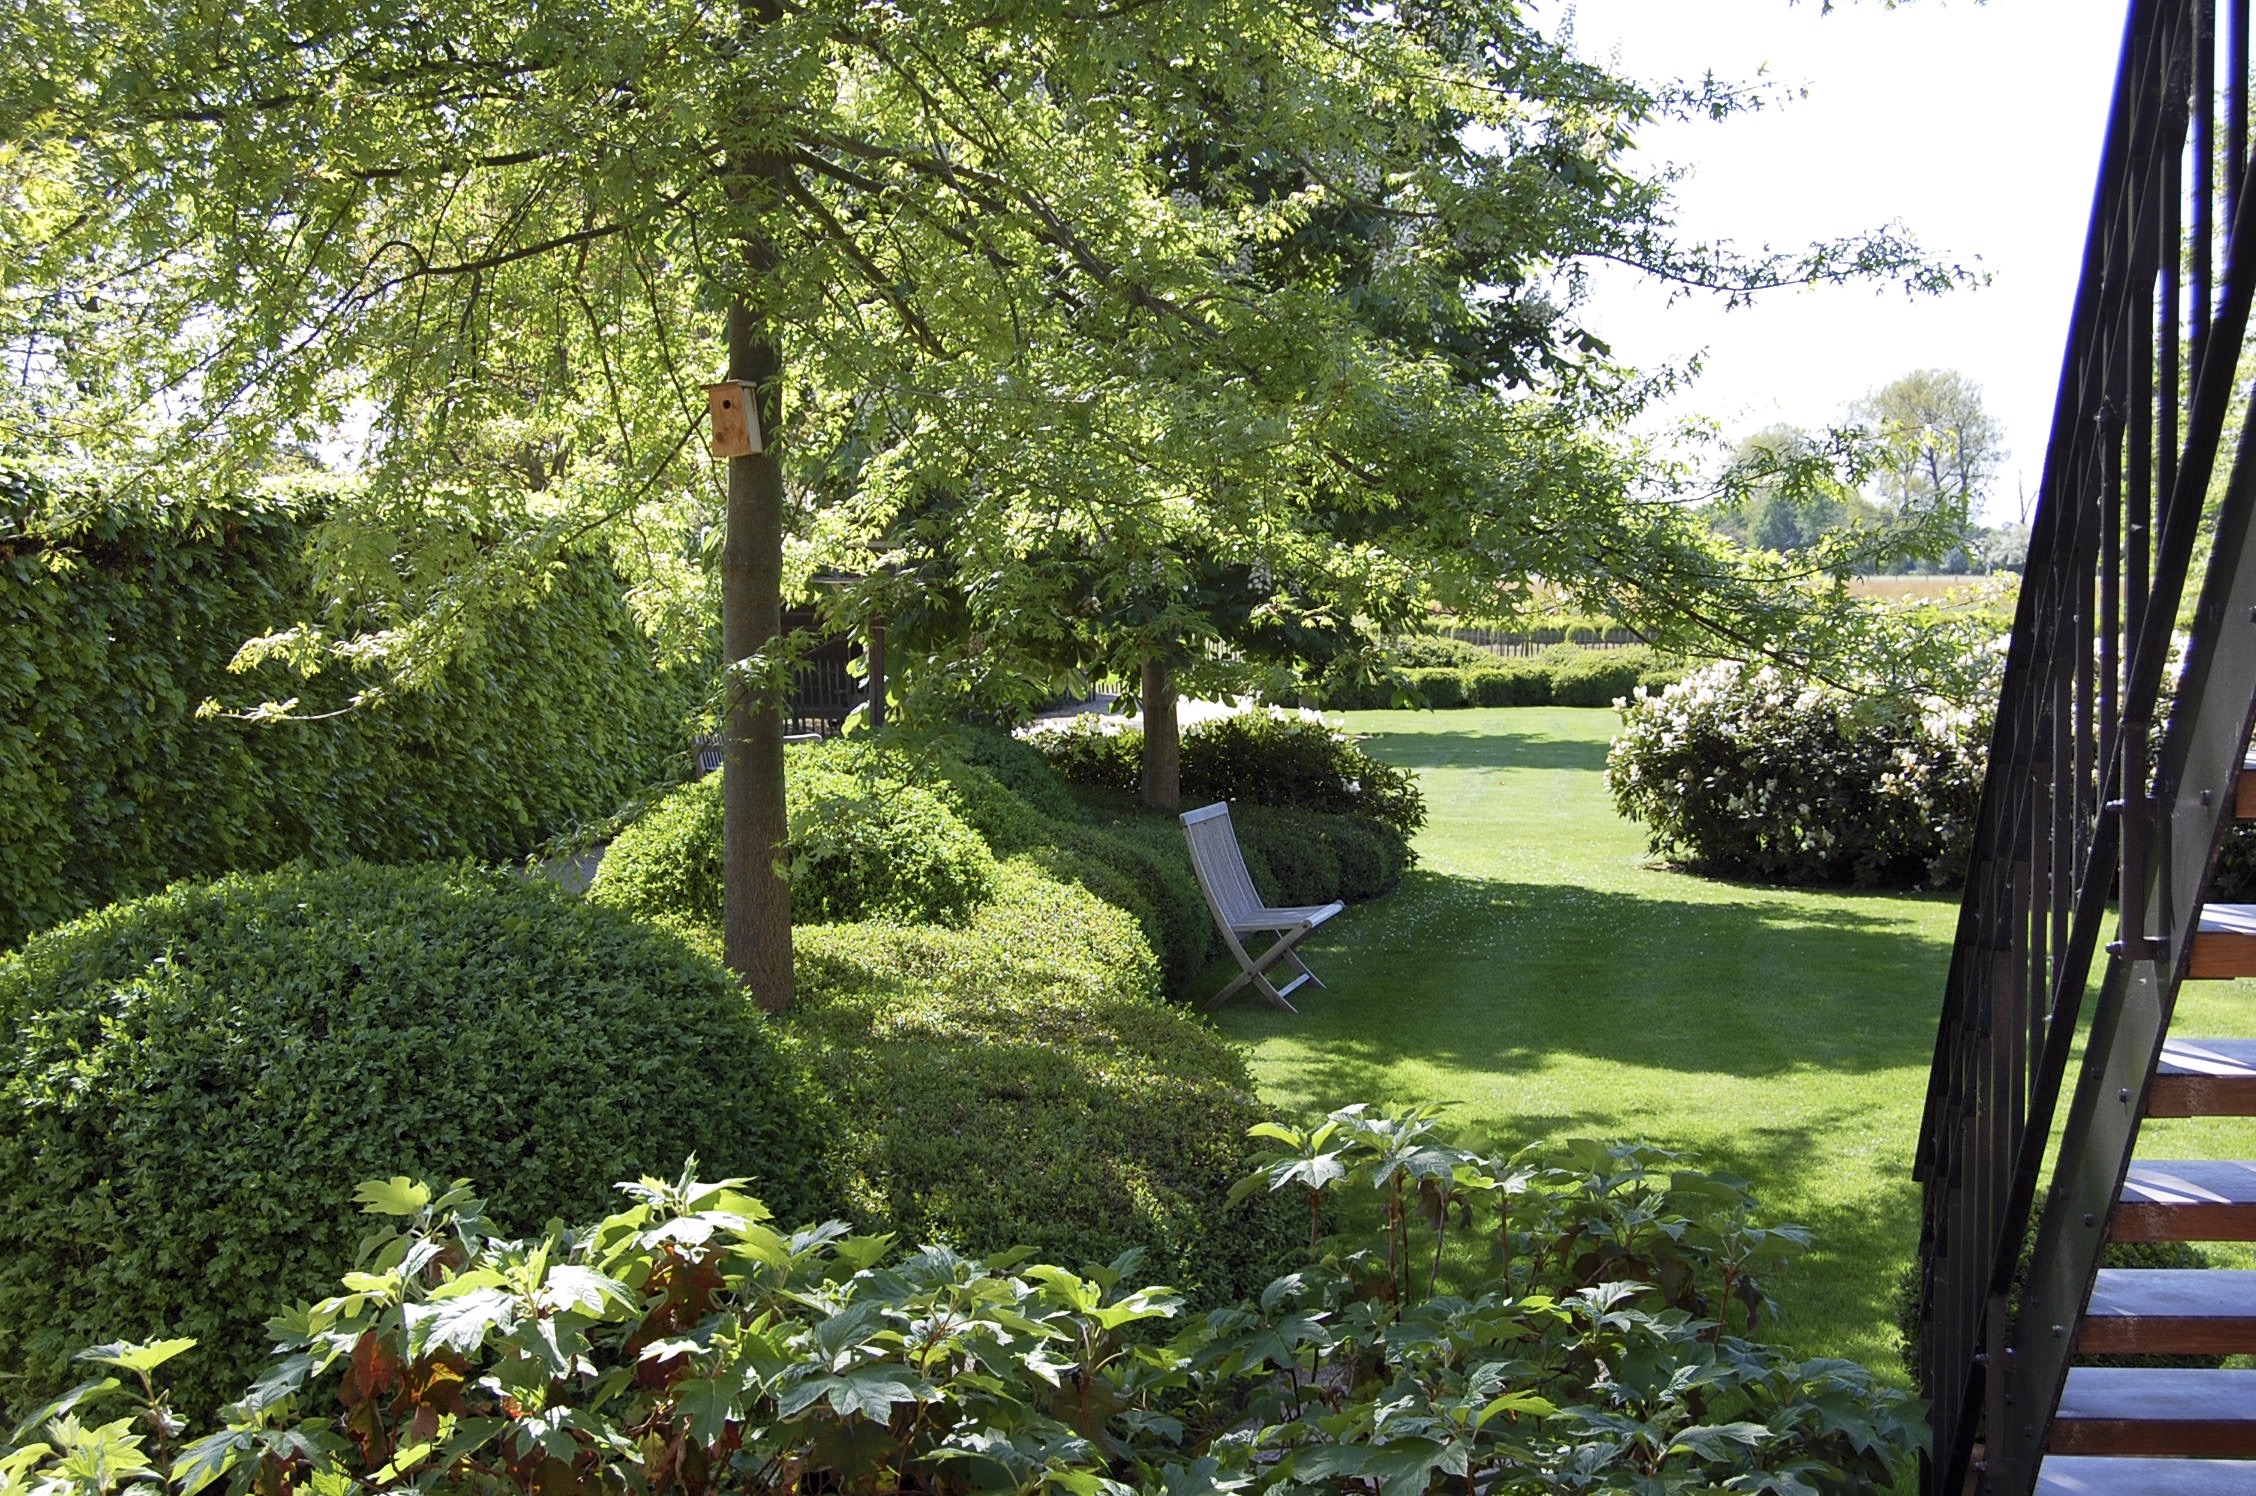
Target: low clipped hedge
<point x="1563" y="675"/>
<point x="194" y="1082"/>
<point x="668" y="865"/>
<point x="864" y="844"/>
<point x="1252" y="758"/>
<point x="1300" y="857"/>
<point x="1016" y="1082"/>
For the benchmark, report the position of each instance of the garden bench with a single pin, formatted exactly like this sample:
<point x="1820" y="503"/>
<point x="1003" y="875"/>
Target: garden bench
<point x="1238" y="909"/>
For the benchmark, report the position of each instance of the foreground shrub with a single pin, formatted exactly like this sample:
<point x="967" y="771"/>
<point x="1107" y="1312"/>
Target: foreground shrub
<point x="684" y="1344"/>
<point x="1015" y="765"/>
<point x="1139" y="864"/>
<point x="1257" y="758"/>
<point x="864" y="844"/>
<point x="1017" y="1082"/>
<point x="1744" y="774"/>
<point x="192" y="1084"/>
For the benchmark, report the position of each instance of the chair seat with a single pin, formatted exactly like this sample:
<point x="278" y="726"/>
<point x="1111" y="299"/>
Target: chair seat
<point x="1290" y="917"/>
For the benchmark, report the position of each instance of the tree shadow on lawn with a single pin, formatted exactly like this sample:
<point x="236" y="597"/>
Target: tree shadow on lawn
<point x="1507" y="978"/>
<point x="1470" y="749"/>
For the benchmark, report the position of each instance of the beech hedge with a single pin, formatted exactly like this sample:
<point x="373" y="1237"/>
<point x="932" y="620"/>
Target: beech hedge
<point x="118" y="617"/>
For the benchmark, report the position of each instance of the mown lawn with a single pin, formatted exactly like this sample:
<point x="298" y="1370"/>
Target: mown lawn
<point x="1540" y="975"/>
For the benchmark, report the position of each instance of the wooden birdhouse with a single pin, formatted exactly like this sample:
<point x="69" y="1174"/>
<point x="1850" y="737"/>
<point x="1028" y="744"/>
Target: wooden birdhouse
<point x="736" y="417"/>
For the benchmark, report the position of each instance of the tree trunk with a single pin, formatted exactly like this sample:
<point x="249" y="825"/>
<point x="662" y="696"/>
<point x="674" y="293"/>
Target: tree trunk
<point x="1163" y="744"/>
<point x="755" y="900"/>
<point x="873" y="655"/>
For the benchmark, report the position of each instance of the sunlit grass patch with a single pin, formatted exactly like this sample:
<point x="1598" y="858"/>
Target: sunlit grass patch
<point x="1541" y="975"/>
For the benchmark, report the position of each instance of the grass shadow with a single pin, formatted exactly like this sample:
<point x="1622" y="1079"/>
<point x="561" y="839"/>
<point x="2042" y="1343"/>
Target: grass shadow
<point x="1470" y="749"/>
<point x="1495" y="976"/>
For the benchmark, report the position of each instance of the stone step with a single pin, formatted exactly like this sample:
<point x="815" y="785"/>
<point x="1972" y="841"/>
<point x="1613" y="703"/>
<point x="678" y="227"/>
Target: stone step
<point x="2098" y="1475"/>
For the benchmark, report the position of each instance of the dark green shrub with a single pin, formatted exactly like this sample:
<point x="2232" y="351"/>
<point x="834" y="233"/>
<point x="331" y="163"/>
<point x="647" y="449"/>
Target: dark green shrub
<point x="1017" y="767"/>
<point x="1256" y="758"/>
<point x="1017" y="1083"/>
<point x="1745" y="774"/>
<point x="1433" y="652"/>
<point x="1091" y="752"/>
<point x="1141" y="866"/>
<point x="1346" y="856"/>
<point x="1509" y="683"/>
<point x="1262" y="759"/>
<point x="2235" y="878"/>
<point x="1440" y="689"/>
<point x="864" y="844"/>
<point x="119" y="617"/>
<point x="1596" y="677"/>
<point x="1004" y="819"/>
<point x="193" y="1083"/>
<point x="1291" y="861"/>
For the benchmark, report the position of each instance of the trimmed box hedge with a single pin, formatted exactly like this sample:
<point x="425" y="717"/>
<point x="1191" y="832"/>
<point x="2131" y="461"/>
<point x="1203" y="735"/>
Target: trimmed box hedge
<point x="192" y="1084"/>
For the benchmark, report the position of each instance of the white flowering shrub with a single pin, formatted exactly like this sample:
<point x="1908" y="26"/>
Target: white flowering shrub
<point x="1745" y="773"/>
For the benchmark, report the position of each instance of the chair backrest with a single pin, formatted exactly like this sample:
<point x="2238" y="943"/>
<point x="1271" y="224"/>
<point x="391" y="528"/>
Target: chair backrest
<point x="1219" y="864"/>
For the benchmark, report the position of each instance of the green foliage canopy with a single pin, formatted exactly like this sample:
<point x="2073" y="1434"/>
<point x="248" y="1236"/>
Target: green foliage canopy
<point x="1222" y="270"/>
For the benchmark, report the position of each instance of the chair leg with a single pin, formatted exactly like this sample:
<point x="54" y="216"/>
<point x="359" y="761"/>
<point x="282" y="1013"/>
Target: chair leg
<point x="1256" y="970"/>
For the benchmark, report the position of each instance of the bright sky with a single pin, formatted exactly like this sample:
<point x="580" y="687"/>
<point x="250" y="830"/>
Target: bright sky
<point x="1977" y="126"/>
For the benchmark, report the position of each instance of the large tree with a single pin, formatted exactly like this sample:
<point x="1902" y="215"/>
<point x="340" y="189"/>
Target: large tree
<point x="950" y="246"/>
<point x="1938" y="446"/>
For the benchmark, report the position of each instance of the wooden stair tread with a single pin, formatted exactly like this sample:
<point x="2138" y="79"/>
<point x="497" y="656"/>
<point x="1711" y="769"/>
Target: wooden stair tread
<point x="2224" y="942"/>
<point x="2170" y="1311"/>
<point x="2198" y="1199"/>
<point x="2097" y="1475"/>
<point x="2204" y="1078"/>
<point x="2137" y="1411"/>
<point x="2244" y="790"/>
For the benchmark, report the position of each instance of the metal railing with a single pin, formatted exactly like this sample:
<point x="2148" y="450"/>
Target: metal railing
<point x="2072" y="810"/>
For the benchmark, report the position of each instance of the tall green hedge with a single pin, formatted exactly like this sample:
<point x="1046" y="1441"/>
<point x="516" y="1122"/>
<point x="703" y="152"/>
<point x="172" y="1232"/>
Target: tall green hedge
<point x="118" y="617"/>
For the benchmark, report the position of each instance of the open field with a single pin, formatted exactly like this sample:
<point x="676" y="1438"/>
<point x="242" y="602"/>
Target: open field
<point x="1997" y="591"/>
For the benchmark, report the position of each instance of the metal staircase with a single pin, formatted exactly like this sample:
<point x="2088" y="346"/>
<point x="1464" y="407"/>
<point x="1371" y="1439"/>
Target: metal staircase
<point x="2086" y="830"/>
